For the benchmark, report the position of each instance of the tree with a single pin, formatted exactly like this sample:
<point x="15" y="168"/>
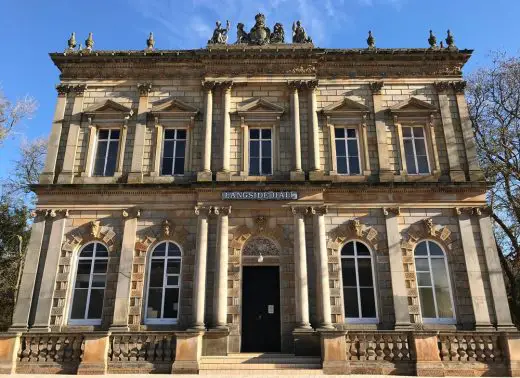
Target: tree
<point x="494" y="103"/>
<point x="11" y="114"/>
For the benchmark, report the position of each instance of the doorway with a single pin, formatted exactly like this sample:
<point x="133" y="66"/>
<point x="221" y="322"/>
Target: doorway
<point x="261" y="309"/>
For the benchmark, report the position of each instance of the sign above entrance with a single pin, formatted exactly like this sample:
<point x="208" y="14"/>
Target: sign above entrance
<point x="261" y="196"/>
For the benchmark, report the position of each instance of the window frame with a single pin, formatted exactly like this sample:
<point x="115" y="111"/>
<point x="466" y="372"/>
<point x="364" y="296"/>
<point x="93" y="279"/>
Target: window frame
<point x="346" y="139"/>
<point x="359" y="320"/>
<point x="86" y="322"/>
<point x="186" y="150"/>
<point x="260" y="157"/>
<point x="437" y="320"/>
<point x="162" y="321"/>
<point x="118" y="164"/>
<point x="413" y="138"/>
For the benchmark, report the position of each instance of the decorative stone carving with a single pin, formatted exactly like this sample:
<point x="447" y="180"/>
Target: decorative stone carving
<point x="428" y="224"/>
<point x="94" y="228"/>
<point x="318" y="210"/>
<point x="221" y="210"/>
<point x="71" y="42"/>
<point x="432" y="40"/>
<point x="299" y="34"/>
<point x="278" y="34"/>
<point x="220" y="34"/>
<point x="376" y="86"/>
<point x="450" y="41"/>
<point x="371" y="41"/>
<point x="144" y="89"/>
<point x="259" y="34"/>
<point x="242" y="35"/>
<point x="208" y="85"/>
<point x="375" y="346"/>
<point x="459" y="86"/>
<point x="356" y="226"/>
<point x="166" y="228"/>
<point x="150" y="43"/>
<point x="261" y="222"/>
<point x="78" y="89"/>
<point x="353" y="229"/>
<point x="470" y="346"/>
<point x="62" y="89"/>
<point x="50" y="348"/>
<point x="89" y="43"/>
<point x="158" y="348"/>
<point x="260" y="246"/>
<point x="391" y="210"/>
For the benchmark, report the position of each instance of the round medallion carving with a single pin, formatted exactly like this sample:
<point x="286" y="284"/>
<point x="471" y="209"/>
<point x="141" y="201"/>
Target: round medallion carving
<point x="260" y="246"/>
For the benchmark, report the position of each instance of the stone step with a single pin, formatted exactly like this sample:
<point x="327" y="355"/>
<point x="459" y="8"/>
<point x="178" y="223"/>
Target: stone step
<point x="260" y="362"/>
<point x="262" y="373"/>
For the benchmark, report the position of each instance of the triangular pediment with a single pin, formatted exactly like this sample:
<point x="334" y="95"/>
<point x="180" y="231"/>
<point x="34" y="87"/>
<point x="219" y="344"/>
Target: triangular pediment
<point x="259" y="106"/>
<point x="108" y="107"/>
<point x="344" y="107"/>
<point x="413" y="105"/>
<point x="173" y="105"/>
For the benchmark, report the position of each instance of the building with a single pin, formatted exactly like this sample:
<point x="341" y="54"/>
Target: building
<point x="262" y="196"/>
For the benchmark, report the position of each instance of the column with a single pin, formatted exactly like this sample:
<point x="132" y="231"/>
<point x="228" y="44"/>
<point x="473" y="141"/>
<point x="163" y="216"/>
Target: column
<point x="395" y="255"/>
<point x="300" y="269"/>
<point x="67" y="174"/>
<point x="122" y="147"/>
<point x="199" y="283"/>
<point x="225" y="173"/>
<point x="205" y="174"/>
<point x="456" y="172"/>
<point x="382" y="146"/>
<point x="316" y="171"/>
<point x="221" y="289"/>
<point x="475" y="173"/>
<point x="22" y="308"/>
<point x="50" y="268"/>
<point x="476" y="286"/>
<point x="124" y="273"/>
<point x="136" y="169"/>
<point x="297" y="173"/>
<point x="496" y="275"/>
<point x="47" y="176"/>
<point x="322" y="263"/>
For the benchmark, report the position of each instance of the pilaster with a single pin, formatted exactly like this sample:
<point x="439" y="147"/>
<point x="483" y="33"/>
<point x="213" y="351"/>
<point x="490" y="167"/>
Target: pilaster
<point x="199" y="282"/>
<point x="136" y="169"/>
<point x="225" y="173"/>
<point x="297" y="173"/>
<point x="221" y="285"/>
<point x="300" y="264"/>
<point x="316" y="170"/>
<point x="205" y="174"/>
<point x="385" y="174"/>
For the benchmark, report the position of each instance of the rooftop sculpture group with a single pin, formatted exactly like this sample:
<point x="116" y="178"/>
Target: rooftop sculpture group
<point x="259" y="34"/>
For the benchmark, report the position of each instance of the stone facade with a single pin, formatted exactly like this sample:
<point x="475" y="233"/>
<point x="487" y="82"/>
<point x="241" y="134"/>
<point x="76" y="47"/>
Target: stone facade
<point x="302" y="94"/>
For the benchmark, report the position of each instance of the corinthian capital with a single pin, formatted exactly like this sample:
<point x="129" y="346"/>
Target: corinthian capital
<point x="318" y="210"/>
<point x="221" y="210"/>
<point x="202" y="210"/>
<point x="62" y="89"/>
<point x="296" y="84"/>
<point x="376" y="86"/>
<point x="312" y="84"/>
<point x="208" y="85"/>
<point x="299" y="210"/>
<point x="144" y="89"/>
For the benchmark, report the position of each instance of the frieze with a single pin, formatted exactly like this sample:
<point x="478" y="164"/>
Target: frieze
<point x="260" y="195"/>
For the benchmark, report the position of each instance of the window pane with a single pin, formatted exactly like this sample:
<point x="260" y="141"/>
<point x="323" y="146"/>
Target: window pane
<point x="168" y="148"/>
<point x="440" y="276"/>
<point x="79" y="304"/>
<point x="172" y="280"/>
<point x="167" y="166"/>
<point x="99" y="162"/>
<point x="444" y="302"/>
<point x="169" y="134"/>
<point x="100" y="266"/>
<point x="352" y="147"/>
<point x="362" y="250"/>
<point x="154" y="303"/>
<point x="156" y="273"/>
<point x="424" y="279"/>
<point x="95" y="307"/>
<point x="266" y="134"/>
<point x="254" y="133"/>
<point x="87" y="250"/>
<point x="410" y="158"/>
<point x="254" y="149"/>
<point x="159" y="249"/>
<point x="340" y="148"/>
<point x="266" y="148"/>
<point x="420" y="147"/>
<point x="354" y="165"/>
<point x="418" y="132"/>
<point x="423" y="164"/>
<point x="351" y="303"/>
<point x="422" y="265"/>
<point x="171" y="300"/>
<point x="420" y="249"/>
<point x="180" y="150"/>
<point x="174" y="267"/>
<point x="84" y="266"/>
<point x="173" y="250"/>
<point x="351" y="133"/>
<point x="266" y="166"/>
<point x="339" y="132"/>
<point x="181" y="134"/>
<point x="179" y="166"/>
<point x="348" y="249"/>
<point x="368" y="305"/>
<point x="82" y="281"/>
<point x="342" y="165"/>
<point x="254" y="168"/>
<point x="435" y="250"/>
<point x="111" y="159"/>
<point x="114" y="134"/>
<point x="103" y="134"/>
<point x="98" y="280"/>
<point x="407" y="132"/>
<point x="365" y="272"/>
<point x="101" y="250"/>
<point x="427" y="304"/>
<point x="349" y="272"/>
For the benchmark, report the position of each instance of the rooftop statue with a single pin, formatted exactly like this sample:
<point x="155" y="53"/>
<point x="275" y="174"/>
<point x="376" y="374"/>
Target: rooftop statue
<point x="299" y="34"/>
<point x="278" y="35"/>
<point x="242" y="36"/>
<point x="260" y="34"/>
<point x="219" y="34"/>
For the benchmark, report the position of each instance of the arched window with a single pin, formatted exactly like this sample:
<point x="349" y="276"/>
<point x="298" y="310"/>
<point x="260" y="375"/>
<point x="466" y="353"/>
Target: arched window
<point x="164" y="273"/>
<point x="433" y="282"/>
<point x="89" y="285"/>
<point x="359" y="297"/>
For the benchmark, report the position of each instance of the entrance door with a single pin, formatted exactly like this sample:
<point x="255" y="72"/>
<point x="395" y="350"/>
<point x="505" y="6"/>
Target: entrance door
<point x="260" y="309"/>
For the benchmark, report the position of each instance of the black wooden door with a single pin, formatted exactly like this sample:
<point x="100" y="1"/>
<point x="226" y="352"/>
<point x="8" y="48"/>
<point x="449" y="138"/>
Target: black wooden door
<point x="260" y="309"/>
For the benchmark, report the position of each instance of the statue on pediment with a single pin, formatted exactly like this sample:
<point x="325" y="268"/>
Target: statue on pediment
<point x="242" y="36"/>
<point x="220" y="34"/>
<point x="278" y="35"/>
<point x="299" y="34"/>
<point x="260" y="34"/>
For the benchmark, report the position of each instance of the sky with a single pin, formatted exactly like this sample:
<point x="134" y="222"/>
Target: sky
<point x="30" y="29"/>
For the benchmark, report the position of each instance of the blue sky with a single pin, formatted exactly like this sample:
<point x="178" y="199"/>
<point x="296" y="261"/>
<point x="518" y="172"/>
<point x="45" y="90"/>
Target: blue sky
<point x="30" y="29"/>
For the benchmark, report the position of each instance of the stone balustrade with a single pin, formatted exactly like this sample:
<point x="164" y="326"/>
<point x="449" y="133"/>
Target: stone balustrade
<point x="459" y="346"/>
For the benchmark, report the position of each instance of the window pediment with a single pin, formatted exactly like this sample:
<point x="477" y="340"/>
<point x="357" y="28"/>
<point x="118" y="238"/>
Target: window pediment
<point x="173" y="108"/>
<point x="259" y="108"/>
<point x="345" y="108"/>
<point x="413" y="107"/>
<point x="108" y="109"/>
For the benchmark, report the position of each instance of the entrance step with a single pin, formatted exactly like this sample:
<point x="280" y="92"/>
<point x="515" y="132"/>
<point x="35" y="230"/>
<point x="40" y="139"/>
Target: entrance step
<point x="242" y="363"/>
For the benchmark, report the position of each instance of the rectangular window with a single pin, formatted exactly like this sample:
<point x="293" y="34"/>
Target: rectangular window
<point x="260" y="152"/>
<point x="174" y="152"/>
<point x="105" y="159"/>
<point x="347" y="151"/>
<point x="415" y="151"/>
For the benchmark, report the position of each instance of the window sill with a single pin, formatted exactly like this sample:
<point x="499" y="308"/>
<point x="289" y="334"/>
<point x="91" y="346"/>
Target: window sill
<point x="97" y="179"/>
<point x="186" y="178"/>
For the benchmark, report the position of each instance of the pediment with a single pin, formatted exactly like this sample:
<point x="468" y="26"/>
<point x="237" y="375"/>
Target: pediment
<point x="173" y="106"/>
<point x="345" y="106"/>
<point x="413" y="106"/>
<point x="259" y="106"/>
<point x="108" y="108"/>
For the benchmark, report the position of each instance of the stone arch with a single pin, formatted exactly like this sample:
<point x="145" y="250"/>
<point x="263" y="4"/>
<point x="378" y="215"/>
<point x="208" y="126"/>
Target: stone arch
<point x="243" y="233"/>
<point x="425" y="229"/>
<point x="165" y="231"/>
<point x="260" y="245"/>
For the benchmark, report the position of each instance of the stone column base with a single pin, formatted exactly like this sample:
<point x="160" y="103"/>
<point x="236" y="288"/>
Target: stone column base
<point x="386" y="176"/>
<point x="215" y="342"/>
<point x="429" y="369"/>
<point x="204" y="176"/>
<point x="427" y="355"/>
<point x="47" y="178"/>
<point x="457" y="175"/>
<point x="297" y="176"/>
<point x="318" y="176"/>
<point x="334" y="352"/>
<point x="223" y="176"/>
<point x="511" y="346"/>
<point x="9" y="345"/>
<point x="65" y="178"/>
<point x="306" y="342"/>
<point x="476" y="176"/>
<point x="135" y="178"/>
<point x="188" y="352"/>
<point x="95" y="354"/>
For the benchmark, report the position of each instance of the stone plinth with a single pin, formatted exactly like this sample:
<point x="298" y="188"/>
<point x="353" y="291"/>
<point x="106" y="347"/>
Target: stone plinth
<point x="95" y="354"/>
<point x="334" y="352"/>
<point x="215" y="342"/>
<point x="511" y="347"/>
<point x="188" y="352"/>
<point x="427" y="355"/>
<point x="9" y="345"/>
